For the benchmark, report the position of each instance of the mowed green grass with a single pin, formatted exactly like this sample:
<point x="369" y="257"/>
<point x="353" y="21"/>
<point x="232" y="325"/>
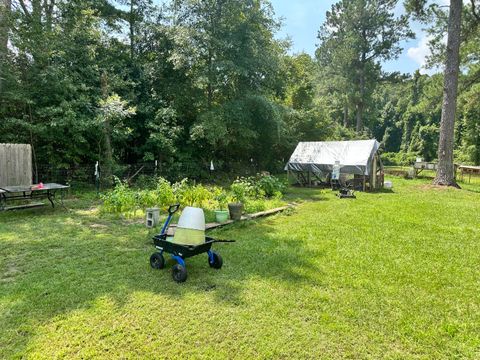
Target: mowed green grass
<point x="391" y="275"/>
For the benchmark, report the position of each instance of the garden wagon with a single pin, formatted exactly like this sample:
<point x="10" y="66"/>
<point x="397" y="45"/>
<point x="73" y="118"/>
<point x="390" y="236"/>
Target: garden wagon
<point x="180" y="252"/>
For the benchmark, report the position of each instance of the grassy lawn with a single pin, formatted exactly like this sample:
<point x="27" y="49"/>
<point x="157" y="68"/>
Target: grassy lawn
<point x="392" y="275"/>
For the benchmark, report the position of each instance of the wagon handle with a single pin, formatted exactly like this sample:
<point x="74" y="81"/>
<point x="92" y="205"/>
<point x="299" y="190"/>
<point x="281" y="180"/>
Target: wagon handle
<point x="173" y="209"/>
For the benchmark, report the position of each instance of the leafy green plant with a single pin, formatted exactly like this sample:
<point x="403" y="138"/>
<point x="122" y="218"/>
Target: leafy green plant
<point x="146" y="182"/>
<point x="252" y="191"/>
<point x="222" y="199"/>
<point x="121" y="199"/>
<point x="165" y="193"/>
<point x="241" y="189"/>
<point x="270" y="185"/>
<point x="399" y="159"/>
<point x="255" y="205"/>
<point x="192" y="195"/>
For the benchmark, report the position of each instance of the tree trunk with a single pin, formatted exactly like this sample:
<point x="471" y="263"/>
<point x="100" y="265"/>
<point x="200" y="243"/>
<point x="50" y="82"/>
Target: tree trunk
<point x="359" y="116"/>
<point x="49" y="7"/>
<point x="446" y="171"/>
<point x="132" y="30"/>
<point x="210" y="79"/>
<point x="360" y="104"/>
<point x="362" y="66"/>
<point x="108" y="161"/>
<point x="345" y="114"/>
<point x="5" y="7"/>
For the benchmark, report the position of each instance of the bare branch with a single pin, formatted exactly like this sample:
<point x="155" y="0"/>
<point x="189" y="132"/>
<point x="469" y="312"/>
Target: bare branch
<point x="474" y="11"/>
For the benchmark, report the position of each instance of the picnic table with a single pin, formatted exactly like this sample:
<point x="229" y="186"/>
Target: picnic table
<point x="469" y="170"/>
<point x="32" y="192"/>
<point x="419" y="166"/>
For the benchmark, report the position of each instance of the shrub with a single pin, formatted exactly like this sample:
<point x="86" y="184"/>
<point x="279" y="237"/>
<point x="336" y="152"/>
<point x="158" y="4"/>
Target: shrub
<point x="270" y="185"/>
<point x="399" y="159"/>
<point x="242" y="189"/>
<point x="120" y="200"/>
<point x="146" y="182"/>
<point x="257" y="205"/>
<point x="221" y="198"/>
<point x="259" y="187"/>
<point x="251" y="191"/>
<point x="192" y="195"/>
<point x="165" y="193"/>
<point x="146" y="198"/>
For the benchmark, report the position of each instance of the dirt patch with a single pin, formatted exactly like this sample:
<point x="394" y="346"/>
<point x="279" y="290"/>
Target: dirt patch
<point x="98" y="226"/>
<point x="133" y="221"/>
<point x="10" y="273"/>
<point x="428" y="187"/>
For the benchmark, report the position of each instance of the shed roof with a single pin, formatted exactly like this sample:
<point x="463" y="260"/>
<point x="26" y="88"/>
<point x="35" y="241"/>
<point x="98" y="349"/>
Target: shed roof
<point x="355" y="157"/>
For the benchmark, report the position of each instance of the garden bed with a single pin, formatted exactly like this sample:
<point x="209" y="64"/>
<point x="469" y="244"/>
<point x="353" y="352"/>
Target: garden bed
<point x="259" y="193"/>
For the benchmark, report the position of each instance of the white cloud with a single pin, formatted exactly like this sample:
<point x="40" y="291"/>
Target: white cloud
<point x="419" y="53"/>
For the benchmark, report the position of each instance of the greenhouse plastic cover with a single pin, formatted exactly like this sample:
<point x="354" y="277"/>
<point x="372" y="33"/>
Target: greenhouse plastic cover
<point x="355" y="157"/>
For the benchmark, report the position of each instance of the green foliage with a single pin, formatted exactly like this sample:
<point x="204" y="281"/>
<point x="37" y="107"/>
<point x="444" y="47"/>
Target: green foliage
<point x="257" y="187"/>
<point x="165" y="192"/>
<point x="164" y="132"/>
<point x="269" y="185"/>
<point x="127" y="200"/>
<point x="222" y="198"/>
<point x="192" y="195"/>
<point x="300" y="86"/>
<point x="241" y="189"/>
<point x="121" y="200"/>
<point x="257" y="205"/>
<point x="356" y="36"/>
<point x="194" y="81"/>
<point x="399" y="159"/>
<point x="267" y="190"/>
<point x="470" y="145"/>
<point x="114" y="110"/>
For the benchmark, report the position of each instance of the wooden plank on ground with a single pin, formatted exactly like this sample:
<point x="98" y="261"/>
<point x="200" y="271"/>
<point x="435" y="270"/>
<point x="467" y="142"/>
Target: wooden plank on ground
<point x="265" y="213"/>
<point x="214" y="225"/>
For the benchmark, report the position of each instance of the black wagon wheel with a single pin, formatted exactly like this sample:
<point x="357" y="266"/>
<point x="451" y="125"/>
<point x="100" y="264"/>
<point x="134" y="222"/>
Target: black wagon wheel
<point x="157" y="261"/>
<point x="216" y="262"/>
<point x="179" y="273"/>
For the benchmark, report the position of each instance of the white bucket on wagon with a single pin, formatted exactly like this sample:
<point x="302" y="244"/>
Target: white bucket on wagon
<point x="191" y="227"/>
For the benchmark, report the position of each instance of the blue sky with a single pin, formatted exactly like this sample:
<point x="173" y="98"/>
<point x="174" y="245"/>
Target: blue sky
<point x="302" y="19"/>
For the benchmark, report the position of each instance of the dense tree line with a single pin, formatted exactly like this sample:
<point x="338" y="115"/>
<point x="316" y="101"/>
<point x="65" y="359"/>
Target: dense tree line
<point x="197" y="80"/>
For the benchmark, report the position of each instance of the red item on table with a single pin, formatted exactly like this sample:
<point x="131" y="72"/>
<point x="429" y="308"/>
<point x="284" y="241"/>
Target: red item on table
<point x="38" y="187"/>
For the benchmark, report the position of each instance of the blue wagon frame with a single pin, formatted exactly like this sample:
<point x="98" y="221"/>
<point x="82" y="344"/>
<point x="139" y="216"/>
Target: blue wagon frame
<point x="181" y="252"/>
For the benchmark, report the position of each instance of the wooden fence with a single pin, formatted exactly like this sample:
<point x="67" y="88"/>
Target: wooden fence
<point x="15" y="164"/>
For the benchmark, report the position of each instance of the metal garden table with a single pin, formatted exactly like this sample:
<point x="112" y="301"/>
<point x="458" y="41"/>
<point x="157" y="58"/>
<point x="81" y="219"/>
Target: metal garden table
<point x="48" y="191"/>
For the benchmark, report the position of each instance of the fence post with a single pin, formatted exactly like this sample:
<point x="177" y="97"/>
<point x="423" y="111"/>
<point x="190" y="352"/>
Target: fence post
<point x="97" y="178"/>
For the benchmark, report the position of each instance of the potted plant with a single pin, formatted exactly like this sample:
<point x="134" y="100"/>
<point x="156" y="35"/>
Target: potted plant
<point x="221" y="215"/>
<point x="239" y="190"/>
